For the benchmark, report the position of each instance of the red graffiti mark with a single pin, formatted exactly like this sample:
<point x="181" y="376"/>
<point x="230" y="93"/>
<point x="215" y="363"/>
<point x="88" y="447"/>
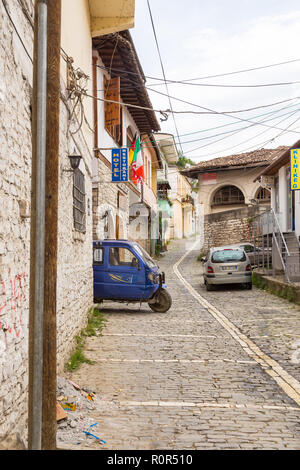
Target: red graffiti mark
<point x="3" y="299"/>
<point x="15" y="301"/>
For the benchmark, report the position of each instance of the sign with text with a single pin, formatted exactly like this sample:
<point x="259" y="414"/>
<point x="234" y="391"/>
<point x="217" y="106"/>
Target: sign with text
<point x="119" y="163"/>
<point x="209" y="178"/>
<point x="295" y="173"/>
<point x="267" y="181"/>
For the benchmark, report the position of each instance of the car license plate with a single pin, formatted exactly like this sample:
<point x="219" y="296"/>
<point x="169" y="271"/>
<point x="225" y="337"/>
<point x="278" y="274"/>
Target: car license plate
<point x="229" y="268"/>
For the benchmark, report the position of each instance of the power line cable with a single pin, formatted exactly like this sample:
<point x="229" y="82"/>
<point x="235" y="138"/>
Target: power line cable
<point x="129" y="105"/>
<point x="233" y="132"/>
<point x="163" y="70"/>
<point x="249" y="148"/>
<point x="290" y="114"/>
<point x="201" y="78"/>
<point x="193" y="104"/>
<point x="235" y="72"/>
<point x="15" y="28"/>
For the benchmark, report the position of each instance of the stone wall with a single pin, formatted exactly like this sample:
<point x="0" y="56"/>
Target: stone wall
<point x="228" y="227"/>
<point x="74" y="270"/>
<point x="75" y="275"/>
<point x="15" y="196"/>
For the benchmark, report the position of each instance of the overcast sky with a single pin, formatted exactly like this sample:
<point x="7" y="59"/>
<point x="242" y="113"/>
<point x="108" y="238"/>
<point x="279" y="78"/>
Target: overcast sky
<point x="200" y="38"/>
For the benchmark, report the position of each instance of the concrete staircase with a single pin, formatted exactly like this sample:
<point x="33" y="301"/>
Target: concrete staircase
<point x="292" y="261"/>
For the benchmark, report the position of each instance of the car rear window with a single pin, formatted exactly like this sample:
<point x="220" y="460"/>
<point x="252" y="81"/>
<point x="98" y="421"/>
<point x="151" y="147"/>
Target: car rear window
<point x="227" y="256"/>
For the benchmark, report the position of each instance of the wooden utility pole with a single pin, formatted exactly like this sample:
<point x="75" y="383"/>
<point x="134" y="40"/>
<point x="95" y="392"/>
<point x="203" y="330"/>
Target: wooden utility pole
<point x="51" y="223"/>
<point x="48" y="382"/>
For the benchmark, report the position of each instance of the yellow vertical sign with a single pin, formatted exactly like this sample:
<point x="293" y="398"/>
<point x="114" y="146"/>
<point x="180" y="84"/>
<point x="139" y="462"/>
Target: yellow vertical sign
<point x="295" y="170"/>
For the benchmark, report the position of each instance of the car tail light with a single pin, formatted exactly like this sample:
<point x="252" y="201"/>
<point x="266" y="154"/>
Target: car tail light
<point x="248" y="267"/>
<point x="210" y="269"/>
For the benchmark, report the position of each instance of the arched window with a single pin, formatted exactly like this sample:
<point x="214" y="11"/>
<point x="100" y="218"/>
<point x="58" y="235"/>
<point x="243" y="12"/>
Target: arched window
<point x="263" y="195"/>
<point x="228" y="195"/>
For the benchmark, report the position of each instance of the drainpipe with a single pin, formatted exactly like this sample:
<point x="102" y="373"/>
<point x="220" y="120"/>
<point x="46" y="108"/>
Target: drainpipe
<point x="38" y="232"/>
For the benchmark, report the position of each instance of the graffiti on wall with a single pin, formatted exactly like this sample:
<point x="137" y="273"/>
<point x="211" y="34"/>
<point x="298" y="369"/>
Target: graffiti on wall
<point x="11" y="304"/>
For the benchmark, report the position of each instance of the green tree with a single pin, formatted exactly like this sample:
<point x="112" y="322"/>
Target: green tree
<point x="182" y="162"/>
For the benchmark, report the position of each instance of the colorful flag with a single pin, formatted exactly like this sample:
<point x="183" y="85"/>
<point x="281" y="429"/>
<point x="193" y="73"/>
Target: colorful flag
<point x="136" y="163"/>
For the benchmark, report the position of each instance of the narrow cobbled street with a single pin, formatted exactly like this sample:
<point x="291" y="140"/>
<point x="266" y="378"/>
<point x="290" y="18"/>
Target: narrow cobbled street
<point x="216" y="375"/>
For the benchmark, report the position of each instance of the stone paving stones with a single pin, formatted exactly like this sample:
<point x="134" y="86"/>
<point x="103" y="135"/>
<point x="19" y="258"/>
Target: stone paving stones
<point x="179" y="380"/>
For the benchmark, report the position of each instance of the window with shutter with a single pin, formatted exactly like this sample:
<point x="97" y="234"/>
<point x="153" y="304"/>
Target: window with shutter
<point x="113" y="111"/>
<point x="79" y="212"/>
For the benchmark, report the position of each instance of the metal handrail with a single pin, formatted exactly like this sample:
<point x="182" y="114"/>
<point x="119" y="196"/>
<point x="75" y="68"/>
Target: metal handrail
<point x="276" y="236"/>
<point x="279" y="229"/>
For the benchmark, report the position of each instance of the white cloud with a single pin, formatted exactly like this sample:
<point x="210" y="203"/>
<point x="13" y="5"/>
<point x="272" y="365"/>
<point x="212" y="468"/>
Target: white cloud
<point x="261" y="40"/>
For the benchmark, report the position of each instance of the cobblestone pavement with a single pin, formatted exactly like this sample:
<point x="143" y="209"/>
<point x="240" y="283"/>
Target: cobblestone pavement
<point x="181" y="380"/>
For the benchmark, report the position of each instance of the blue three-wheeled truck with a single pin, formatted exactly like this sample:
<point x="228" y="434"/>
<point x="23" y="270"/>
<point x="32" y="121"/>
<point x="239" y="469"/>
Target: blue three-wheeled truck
<point x="124" y="272"/>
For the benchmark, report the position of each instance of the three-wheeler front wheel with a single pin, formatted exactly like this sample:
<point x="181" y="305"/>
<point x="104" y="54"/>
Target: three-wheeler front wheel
<point x="163" y="302"/>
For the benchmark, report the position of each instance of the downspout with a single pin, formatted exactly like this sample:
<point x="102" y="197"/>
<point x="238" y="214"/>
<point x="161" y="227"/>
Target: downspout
<point x="40" y="191"/>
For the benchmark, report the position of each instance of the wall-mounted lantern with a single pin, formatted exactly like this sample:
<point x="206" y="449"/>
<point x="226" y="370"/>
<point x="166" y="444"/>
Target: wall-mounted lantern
<point x="75" y="160"/>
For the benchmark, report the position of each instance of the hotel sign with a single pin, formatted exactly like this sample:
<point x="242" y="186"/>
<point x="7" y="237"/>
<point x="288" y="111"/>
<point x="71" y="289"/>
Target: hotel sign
<point x="295" y="170"/>
<point x="119" y="165"/>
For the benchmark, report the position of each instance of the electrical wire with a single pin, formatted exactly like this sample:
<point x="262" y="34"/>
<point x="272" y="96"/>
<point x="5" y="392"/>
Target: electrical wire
<point x="233" y="130"/>
<point x="235" y="72"/>
<point x="242" y="128"/>
<point x="129" y="105"/>
<point x="290" y="114"/>
<point x="244" y="150"/>
<point x="138" y="85"/>
<point x="201" y="78"/>
<point x="15" y="28"/>
<point x="163" y="70"/>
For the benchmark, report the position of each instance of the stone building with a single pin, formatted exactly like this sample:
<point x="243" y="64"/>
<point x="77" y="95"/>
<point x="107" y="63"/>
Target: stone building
<point x="228" y="196"/>
<point x="88" y="18"/>
<point x="122" y="210"/>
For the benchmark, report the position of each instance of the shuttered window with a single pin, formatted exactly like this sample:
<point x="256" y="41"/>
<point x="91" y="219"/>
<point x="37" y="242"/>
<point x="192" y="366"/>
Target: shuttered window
<point x="113" y="111"/>
<point x="79" y="211"/>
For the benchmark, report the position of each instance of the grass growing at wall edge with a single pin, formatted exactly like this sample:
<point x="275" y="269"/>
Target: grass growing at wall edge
<point x="95" y="325"/>
<point x="284" y="292"/>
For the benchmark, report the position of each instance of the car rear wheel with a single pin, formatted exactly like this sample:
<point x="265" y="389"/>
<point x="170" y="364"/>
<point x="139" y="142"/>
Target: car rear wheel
<point x="210" y="287"/>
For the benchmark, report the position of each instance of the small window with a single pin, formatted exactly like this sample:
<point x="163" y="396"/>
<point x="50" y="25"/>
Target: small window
<point x="122" y="257"/>
<point x="98" y="256"/>
<point x="263" y="195"/>
<point x="79" y="212"/>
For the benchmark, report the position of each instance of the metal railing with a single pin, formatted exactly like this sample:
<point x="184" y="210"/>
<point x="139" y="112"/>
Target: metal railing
<point x="267" y="234"/>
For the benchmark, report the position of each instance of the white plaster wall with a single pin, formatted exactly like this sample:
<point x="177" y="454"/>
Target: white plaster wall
<point x="242" y="179"/>
<point x="283" y="216"/>
<point x="297" y="213"/>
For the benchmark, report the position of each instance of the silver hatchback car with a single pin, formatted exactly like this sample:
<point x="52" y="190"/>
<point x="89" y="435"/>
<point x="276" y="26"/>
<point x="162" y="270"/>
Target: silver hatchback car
<point x="227" y="265"/>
